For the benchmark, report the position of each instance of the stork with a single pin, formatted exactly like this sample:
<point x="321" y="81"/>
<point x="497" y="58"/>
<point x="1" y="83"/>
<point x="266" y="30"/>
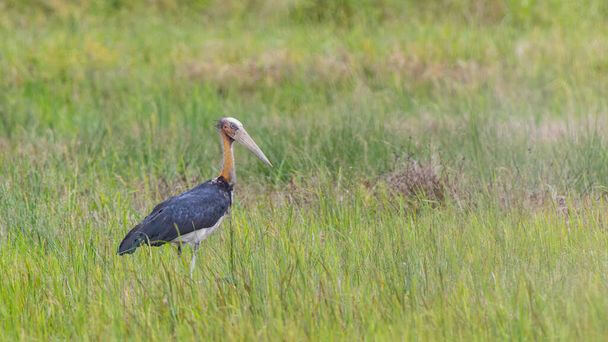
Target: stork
<point x="192" y="216"/>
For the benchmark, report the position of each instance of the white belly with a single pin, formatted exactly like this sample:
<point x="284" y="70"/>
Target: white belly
<point x="198" y="235"/>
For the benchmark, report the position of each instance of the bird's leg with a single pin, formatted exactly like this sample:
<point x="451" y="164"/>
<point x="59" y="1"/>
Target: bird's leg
<point x="179" y="250"/>
<point x="193" y="258"/>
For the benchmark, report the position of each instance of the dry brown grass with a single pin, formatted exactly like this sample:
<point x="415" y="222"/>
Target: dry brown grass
<point x="274" y="67"/>
<point x="267" y="69"/>
<point x="271" y="68"/>
<point x="411" y="68"/>
<point x="417" y="181"/>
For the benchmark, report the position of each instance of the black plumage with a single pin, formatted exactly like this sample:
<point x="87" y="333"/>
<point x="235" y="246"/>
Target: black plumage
<point x="198" y="208"/>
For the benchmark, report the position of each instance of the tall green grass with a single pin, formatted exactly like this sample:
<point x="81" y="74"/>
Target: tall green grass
<point x="107" y="108"/>
<point x="339" y="269"/>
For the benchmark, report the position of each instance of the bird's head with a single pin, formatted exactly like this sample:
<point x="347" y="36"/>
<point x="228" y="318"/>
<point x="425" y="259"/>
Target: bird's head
<point x="233" y="129"/>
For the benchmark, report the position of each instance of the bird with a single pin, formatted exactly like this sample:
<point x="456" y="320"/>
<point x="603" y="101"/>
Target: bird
<point x="190" y="217"/>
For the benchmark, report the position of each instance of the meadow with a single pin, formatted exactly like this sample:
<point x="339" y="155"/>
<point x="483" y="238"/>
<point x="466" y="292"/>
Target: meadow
<point x="440" y="168"/>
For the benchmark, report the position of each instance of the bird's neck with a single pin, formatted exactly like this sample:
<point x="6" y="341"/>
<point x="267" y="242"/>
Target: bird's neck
<point x="228" y="170"/>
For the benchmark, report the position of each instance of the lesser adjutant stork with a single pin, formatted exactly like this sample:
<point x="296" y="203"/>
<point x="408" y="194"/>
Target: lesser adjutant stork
<point x="192" y="216"/>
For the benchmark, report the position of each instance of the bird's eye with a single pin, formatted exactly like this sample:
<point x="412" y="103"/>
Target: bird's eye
<point x="233" y="126"/>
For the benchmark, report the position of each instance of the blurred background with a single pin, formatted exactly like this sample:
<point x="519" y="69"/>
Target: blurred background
<point x="503" y="99"/>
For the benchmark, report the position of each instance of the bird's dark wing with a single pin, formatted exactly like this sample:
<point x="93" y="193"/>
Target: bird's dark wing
<point x="199" y="208"/>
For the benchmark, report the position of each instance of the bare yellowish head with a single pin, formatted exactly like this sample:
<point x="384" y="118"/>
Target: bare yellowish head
<point x="229" y="126"/>
<point x="234" y="130"/>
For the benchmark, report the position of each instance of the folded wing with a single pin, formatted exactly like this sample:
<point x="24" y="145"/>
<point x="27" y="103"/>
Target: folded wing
<point x="199" y="208"/>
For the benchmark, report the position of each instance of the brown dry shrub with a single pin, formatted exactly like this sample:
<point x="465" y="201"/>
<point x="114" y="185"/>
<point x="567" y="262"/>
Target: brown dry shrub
<point x="417" y="181"/>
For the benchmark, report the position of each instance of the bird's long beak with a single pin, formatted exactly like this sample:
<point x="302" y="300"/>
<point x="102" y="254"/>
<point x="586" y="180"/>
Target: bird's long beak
<point x="243" y="137"/>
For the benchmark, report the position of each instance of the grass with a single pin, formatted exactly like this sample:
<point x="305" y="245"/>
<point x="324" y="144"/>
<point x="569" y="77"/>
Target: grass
<point x="440" y="170"/>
